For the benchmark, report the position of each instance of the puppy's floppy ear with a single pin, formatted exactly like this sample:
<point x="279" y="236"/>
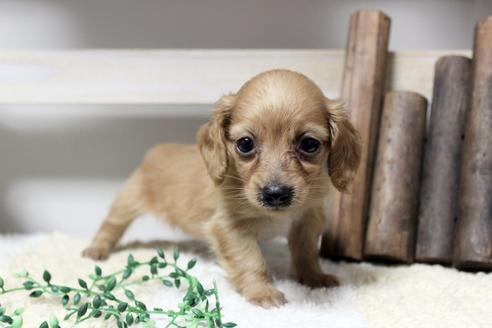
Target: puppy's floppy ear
<point x="211" y="139"/>
<point x="345" y="152"/>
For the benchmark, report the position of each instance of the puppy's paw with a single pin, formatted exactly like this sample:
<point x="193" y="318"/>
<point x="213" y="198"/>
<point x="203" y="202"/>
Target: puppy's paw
<point x="267" y="297"/>
<point x="320" y="280"/>
<point x="97" y="252"/>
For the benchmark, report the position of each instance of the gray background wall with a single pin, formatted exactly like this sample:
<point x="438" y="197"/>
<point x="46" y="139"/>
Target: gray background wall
<point x="417" y="24"/>
<point x="61" y="165"/>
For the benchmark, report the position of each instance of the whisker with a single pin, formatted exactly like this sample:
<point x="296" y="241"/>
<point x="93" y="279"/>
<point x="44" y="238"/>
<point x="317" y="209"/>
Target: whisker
<point x="234" y="177"/>
<point x="232" y="188"/>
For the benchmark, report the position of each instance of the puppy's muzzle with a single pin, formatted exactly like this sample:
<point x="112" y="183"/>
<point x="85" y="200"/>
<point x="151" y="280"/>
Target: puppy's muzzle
<point x="276" y="195"/>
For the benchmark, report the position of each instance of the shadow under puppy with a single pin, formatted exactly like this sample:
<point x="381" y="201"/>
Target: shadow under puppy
<point x="270" y="156"/>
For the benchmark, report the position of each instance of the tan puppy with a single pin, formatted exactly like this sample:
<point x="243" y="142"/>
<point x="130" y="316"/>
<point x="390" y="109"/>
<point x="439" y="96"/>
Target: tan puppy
<point x="268" y="155"/>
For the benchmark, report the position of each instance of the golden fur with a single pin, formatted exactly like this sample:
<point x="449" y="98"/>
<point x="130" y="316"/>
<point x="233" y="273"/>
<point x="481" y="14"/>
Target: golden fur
<point x="215" y="196"/>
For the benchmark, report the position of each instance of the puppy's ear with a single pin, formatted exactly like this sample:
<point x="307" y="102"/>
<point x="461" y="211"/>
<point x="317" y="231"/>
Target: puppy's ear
<point x="211" y="139"/>
<point x="345" y="152"/>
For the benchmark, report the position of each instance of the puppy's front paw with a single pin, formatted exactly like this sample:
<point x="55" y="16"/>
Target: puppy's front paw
<point x="267" y="297"/>
<point x="320" y="280"/>
<point x="97" y="252"/>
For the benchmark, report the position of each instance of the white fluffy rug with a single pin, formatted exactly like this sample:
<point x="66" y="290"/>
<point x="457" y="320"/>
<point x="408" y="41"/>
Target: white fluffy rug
<point x="370" y="296"/>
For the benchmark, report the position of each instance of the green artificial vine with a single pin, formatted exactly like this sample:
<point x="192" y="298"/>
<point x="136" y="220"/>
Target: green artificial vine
<point x="200" y="307"/>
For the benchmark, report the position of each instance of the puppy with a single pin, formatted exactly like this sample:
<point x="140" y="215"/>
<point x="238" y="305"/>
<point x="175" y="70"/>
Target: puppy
<point x="270" y="156"/>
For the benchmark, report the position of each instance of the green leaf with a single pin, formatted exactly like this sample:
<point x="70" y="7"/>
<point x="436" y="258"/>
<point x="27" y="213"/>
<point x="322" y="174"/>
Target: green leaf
<point x="109" y="296"/>
<point x="28" y="285"/>
<point x="6" y="318"/>
<point x="145" y="278"/>
<point x="82" y="310"/>
<point x="36" y="293"/>
<point x="122" y="307"/>
<point x="111" y="284"/>
<point x="107" y="316"/>
<point x="54" y="289"/>
<point x="154" y="260"/>
<point x="160" y="252"/>
<point x="199" y="288"/>
<point x="46" y="276"/>
<point x="191" y="264"/>
<point x="76" y="299"/>
<point x="127" y="273"/>
<point x="153" y="269"/>
<point x="2" y="311"/>
<point x="131" y="260"/>
<point x="177" y="283"/>
<point x="83" y="284"/>
<point x="229" y="325"/>
<point x="65" y="290"/>
<point x="176" y="254"/>
<point x="129" y="294"/>
<point x="96" y="302"/>
<point x="96" y="313"/>
<point x="167" y="283"/>
<point x="141" y="305"/>
<point x="53" y="321"/>
<point x="98" y="271"/>
<point x="162" y="265"/>
<point x="65" y="299"/>
<point x="44" y="325"/>
<point x="1" y="283"/>
<point x="129" y="319"/>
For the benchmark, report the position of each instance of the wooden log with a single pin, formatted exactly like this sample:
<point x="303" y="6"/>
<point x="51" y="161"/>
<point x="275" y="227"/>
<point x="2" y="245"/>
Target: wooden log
<point x="395" y="189"/>
<point x="473" y="248"/>
<point x="442" y="160"/>
<point x="362" y="90"/>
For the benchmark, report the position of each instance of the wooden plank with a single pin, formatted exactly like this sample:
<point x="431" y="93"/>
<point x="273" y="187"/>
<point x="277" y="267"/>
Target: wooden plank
<point x="362" y="90"/>
<point x="395" y="189"/>
<point x="179" y="76"/>
<point x="473" y="248"/>
<point x="442" y="161"/>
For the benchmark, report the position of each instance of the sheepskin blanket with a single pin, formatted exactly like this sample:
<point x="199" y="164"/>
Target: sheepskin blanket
<point x="370" y="295"/>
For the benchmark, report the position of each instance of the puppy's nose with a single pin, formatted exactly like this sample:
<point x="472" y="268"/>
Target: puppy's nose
<point x="277" y="195"/>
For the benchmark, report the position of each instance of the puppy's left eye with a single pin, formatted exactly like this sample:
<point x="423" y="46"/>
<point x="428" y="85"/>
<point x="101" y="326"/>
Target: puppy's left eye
<point x="309" y="145"/>
<point x="245" y="145"/>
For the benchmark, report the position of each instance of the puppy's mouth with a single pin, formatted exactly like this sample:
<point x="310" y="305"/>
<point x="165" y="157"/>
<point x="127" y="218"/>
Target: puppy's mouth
<point x="276" y="196"/>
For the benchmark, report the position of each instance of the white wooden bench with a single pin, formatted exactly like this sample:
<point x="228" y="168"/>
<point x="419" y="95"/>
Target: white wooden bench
<point x="180" y="76"/>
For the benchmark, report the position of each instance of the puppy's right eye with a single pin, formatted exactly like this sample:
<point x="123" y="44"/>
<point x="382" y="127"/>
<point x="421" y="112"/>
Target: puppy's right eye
<point x="245" y="145"/>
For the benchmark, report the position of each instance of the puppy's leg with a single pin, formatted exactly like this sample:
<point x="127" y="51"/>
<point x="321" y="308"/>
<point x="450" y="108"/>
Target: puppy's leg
<point x="239" y="254"/>
<point x="125" y="208"/>
<point x="303" y="244"/>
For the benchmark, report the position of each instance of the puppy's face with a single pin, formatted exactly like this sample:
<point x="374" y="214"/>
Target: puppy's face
<point x="276" y="143"/>
<point x="279" y="143"/>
